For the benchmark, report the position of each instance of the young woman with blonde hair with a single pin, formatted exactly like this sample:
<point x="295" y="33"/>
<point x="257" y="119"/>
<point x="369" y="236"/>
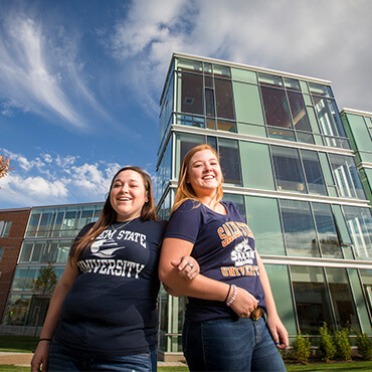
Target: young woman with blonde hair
<point x="225" y="327"/>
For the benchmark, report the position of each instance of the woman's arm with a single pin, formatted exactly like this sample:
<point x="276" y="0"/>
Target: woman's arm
<point x="277" y="329"/>
<point x="173" y="250"/>
<point x="40" y="358"/>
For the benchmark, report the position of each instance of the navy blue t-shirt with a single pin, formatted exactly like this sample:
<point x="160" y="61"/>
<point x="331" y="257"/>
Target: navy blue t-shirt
<point x="111" y="307"/>
<point x="224" y="247"/>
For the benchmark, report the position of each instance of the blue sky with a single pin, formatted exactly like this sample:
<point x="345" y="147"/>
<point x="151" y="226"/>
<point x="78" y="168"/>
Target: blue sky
<point x="80" y="80"/>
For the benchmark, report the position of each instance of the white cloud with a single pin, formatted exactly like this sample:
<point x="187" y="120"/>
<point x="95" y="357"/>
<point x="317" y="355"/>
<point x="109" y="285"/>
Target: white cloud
<point x="55" y="179"/>
<point x="40" y="71"/>
<point x="323" y="39"/>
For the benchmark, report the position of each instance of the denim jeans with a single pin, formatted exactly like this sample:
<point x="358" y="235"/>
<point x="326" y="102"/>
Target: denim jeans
<point x="230" y="345"/>
<point x="62" y="358"/>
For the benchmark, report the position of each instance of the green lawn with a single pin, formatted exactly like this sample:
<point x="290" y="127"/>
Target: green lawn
<point x="19" y="344"/>
<point x="346" y="367"/>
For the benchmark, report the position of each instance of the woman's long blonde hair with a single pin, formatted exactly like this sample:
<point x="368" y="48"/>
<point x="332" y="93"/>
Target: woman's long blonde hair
<point x="108" y="215"/>
<point x="185" y="190"/>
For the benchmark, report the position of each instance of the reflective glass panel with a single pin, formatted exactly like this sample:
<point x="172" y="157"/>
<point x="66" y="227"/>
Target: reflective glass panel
<point x="326" y="229"/>
<point x="276" y="107"/>
<point x="288" y="169"/>
<point x="346" y="176"/>
<point x="224" y="98"/>
<point x="299" y="228"/>
<point x="298" y="109"/>
<point x="264" y="220"/>
<point x="359" y="223"/>
<point x="313" y="172"/>
<point x="312" y="299"/>
<point x="192" y="94"/>
<point x="343" y="303"/>
<point x="230" y="160"/>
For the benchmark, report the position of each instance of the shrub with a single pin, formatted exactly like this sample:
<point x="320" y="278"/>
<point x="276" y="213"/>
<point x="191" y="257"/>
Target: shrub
<point x="301" y="349"/>
<point x="364" y="344"/>
<point x="327" y="348"/>
<point x="342" y="343"/>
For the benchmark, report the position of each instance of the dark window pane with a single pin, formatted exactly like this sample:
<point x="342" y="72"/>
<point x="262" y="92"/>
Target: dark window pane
<point x="313" y="172"/>
<point x="192" y="93"/>
<point x="288" y="170"/>
<point x="224" y="98"/>
<point x="299" y="114"/>
<point x="209" y="102"/>
<point x="276" y="107"/>
<point x="327" y="233"/>
<point x="299" y="230"/>
<point x="229" y="157"/>
<point x="312" y="299"/>
<point x="342" y="299"/>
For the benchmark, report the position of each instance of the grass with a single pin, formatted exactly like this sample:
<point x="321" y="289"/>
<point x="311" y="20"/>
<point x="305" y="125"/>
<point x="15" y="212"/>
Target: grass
<point x="18" y="344"/>
<point x="345" y="367"/>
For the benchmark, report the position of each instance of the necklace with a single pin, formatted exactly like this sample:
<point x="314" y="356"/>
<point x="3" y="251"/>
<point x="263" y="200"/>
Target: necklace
<point x="113" y="229"/>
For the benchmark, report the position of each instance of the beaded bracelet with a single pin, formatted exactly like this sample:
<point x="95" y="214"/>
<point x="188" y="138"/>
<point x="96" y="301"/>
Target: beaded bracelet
<point x="232" y="299"/>
<point x="45" y="339"/>
<point x="228" y="293"/>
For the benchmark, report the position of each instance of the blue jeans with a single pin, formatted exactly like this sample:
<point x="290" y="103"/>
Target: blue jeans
<point x="230" y="345"/>
<point x="62" y="358"/>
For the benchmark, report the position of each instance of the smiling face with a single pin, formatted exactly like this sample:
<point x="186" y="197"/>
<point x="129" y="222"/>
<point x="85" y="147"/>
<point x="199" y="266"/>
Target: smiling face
<point x="204" y="173"/>
<point x="128" y="195"/>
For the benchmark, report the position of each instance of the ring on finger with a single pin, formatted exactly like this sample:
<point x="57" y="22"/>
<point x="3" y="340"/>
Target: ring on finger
<point x="191" y="265"/>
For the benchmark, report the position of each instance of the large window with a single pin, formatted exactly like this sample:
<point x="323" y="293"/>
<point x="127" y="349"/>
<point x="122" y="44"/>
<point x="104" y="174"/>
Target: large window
<point x="298" y="170"/>
<point x="206" y="99"/>
<point x="359" y="223"/>
<point x="285" y="109"/>
<point x="5" y="228"/>
<point x="346" y="176"/>
<point x="299" y="229"/>
<point x="312" y="298"/>
<point x="323" y="295"/>
<point x="61" y="222"/>
<point x="45" y="251"/>
<point x="289" y="174"/>
<point x="327" y="236"/>
<point x="328" y="116"/>
<point x="309" y="229"/>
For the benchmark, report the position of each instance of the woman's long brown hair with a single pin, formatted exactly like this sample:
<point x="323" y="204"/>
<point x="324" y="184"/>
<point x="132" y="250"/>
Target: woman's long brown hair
<point x="185" y="190"/>
<point x="108" y="215"/>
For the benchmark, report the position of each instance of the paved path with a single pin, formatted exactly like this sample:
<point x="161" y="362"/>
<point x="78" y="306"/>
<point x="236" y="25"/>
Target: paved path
<point x="24" y="359"/>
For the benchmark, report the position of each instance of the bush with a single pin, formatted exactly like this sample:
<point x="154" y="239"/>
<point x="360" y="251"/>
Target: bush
<point x="342" y="343"/>
<point x="364" y="344"/>
<point x="327" y="348"/>
<point x="301" y="349"/>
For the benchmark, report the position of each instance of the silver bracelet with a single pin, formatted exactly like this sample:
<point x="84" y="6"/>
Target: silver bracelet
<point x="233" y="297"/>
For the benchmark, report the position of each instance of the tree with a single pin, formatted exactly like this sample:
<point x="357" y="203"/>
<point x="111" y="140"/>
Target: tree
<point x="4" y="166"/>
<point x="46" y="281"/>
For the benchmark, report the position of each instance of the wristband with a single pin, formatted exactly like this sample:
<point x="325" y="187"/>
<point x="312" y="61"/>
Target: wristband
<point x="232" y="299"/>
<point x="228" y="293"/>
<point x="45" y="339"/>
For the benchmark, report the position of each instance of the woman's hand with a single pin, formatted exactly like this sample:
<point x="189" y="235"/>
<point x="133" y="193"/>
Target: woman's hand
<point x="39" y="361"/>
<point x="187" y="266"/>
<point x="278" y="331"/>
<point x="243" y="304"/>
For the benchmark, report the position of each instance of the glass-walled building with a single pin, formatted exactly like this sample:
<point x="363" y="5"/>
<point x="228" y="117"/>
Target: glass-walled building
<point x="46" y="244"/>
<point x="296" y="168"/>
<point x="358" y="125"/>
<point x="289" y="165"/>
